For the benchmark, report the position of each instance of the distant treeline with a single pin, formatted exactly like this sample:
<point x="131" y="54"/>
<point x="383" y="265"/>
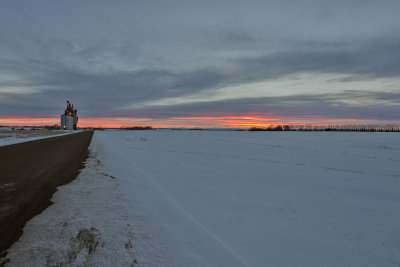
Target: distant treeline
<point x="52" y="127"/>
<point x="136" y="128"/>
<point x="336" y="128"/>
<point x="33" y="127"/>
<point x="276" y="128"/>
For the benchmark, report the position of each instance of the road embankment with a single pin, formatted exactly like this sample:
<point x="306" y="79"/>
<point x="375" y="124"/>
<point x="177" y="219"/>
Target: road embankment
<point x="30" y="174"/>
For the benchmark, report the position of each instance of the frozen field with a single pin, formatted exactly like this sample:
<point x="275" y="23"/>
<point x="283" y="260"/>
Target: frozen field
<point x="9" y="136"/>
<point x="219" y="198"/>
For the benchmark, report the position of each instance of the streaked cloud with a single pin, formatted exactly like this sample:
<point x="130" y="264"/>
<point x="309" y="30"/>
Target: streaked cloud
<point x="295" y="84"/>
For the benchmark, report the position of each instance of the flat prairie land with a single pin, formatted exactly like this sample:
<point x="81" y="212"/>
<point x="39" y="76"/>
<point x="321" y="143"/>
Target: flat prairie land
<point x="224" y="198"/>
<point x="29" y="133"/>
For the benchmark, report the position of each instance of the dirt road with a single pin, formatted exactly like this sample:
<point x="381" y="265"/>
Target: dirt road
<point x="29" y="175"/>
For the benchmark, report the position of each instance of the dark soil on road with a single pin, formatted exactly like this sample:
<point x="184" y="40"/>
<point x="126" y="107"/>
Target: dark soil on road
<point x="30" y="174"/>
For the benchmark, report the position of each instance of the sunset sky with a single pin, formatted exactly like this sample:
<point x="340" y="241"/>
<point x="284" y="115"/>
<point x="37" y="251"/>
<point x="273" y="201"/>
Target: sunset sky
<point x="200" y="63"/>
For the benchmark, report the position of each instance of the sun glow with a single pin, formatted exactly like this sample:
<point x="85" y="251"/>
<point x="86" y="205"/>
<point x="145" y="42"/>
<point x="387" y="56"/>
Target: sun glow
<point x="25" y="121"/>
<point x="222" y="121"/>
<point x="187" y="122"/>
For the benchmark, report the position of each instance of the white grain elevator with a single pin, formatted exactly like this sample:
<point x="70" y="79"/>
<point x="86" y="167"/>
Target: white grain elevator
<point x="69" y="120"/>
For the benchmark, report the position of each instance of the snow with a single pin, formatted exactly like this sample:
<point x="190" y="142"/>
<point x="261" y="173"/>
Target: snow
<point x="225" y="198"/>
<point x="9" y="137"/>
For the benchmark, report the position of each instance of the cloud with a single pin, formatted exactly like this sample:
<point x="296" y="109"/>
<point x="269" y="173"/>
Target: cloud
<point x="155" y="59"/>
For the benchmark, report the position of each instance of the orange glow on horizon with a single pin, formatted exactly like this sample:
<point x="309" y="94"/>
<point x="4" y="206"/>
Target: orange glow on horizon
<point x="25" y="121"/>
<point x="242" y="121"/>
<point x="181" y="122"/>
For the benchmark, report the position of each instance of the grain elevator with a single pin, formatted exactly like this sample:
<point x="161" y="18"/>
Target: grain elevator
<point x="69" y="120"/>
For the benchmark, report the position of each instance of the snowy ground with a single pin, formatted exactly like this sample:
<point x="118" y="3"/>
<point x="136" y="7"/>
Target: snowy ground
<point x="204" y="198"/>
<point x="8" y="136"/>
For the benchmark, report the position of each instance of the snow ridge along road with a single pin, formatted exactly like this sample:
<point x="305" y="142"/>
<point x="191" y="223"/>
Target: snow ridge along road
<point x="29" y="175"/>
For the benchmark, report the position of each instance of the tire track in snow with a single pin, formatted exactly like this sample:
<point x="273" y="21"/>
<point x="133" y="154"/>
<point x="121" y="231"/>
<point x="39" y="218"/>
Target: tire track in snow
<point x="185" y="212"/>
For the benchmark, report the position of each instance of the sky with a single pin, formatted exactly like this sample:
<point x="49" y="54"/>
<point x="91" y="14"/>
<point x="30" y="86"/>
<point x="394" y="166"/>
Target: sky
<point x="200" y="63"/>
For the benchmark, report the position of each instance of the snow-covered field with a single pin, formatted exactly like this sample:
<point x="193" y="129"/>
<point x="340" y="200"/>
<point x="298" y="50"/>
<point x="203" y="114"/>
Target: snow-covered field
<point x="9" y="136"/>
<point x="219" y="198"/>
